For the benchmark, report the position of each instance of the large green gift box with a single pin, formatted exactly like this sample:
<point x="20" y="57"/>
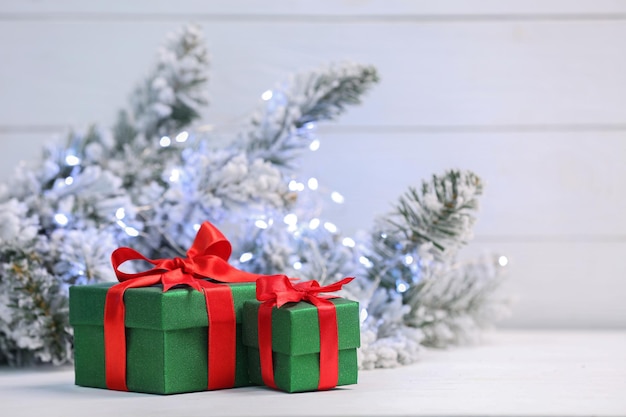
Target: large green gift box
<point x="166" y="337"/>
<point x="296" y="343"/>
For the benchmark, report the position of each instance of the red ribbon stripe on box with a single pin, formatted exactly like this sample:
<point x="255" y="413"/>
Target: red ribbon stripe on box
<point x="207" y="258"/>
<point x="277" y="290"/>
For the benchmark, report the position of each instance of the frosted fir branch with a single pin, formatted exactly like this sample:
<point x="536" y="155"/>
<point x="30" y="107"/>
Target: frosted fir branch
<point x="402" y="347"/>
<point x="324" y="258"/>
<point x="237" y="180"/>
<point x="318" y="253"/>
<point x="70" y="182"/>
<point x="441" y="213"/>
<point x="306" y="246"/>
<point x="412" y="253"/>
<point x="83" y="256"/>
<point x="34" y="319"/>
<point x="17" y="227"/>
<point x="386" y="341"/>
<point x="173" y="95"/>
<point x="457" y="301"/>
<point x="283" y="125"/>
<point x="431" y="223"/>
<point x="263" y="250"/>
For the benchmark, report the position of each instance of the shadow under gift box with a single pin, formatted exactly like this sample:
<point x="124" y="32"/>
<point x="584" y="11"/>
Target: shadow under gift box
<point x="166" y="337"/>
<point x="296" y="343"/>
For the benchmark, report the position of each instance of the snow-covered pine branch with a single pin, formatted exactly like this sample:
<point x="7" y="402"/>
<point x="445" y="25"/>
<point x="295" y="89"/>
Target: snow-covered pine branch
<point x="283" y="124"/>
<point x="173" y="95"/>
<point x="386" y="341"/>
<point x="277" y="133"/>
<point x="300" y="251"/>
<point x="413" y="259"/>
<point x="434" y="221"/>
<point x="457" y="301"/>
<point x="442" y="212"/>
<point x="34" y="319"/>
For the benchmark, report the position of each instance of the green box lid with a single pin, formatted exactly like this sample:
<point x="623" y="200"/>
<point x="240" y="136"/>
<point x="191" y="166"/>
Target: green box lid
<point x="150" y="307"/>
<point x="295" y="326"/>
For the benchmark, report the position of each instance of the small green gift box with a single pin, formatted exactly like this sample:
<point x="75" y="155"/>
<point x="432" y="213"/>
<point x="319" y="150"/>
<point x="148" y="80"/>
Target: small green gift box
<point x="166" y="337"/>
<point x="296" y="343"/>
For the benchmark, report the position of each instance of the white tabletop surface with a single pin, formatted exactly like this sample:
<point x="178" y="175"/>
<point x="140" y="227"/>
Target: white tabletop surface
<point x="514" y="373"/>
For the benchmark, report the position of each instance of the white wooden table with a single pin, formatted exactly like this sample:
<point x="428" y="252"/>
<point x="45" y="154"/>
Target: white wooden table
<point x="514" y="373"/>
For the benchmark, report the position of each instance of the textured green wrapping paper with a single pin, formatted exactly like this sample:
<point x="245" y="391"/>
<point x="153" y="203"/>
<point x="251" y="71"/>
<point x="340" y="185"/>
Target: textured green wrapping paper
<point x="166" y="337"/>
<point x="296" y="343"/>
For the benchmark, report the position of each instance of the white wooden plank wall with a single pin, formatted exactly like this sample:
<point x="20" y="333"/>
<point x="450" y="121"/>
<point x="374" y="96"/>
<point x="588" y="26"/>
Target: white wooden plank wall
<point x="529" y="94"/>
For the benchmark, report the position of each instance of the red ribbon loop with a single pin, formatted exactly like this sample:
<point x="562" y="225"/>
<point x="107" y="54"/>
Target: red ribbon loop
<point x="279" y="289"/>
<point x="276" y="290"/>
<point x="207" y="258"/>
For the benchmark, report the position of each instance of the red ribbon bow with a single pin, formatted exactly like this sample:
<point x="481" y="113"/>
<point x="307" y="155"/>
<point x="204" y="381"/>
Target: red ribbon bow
<point x="277" y="290"/>
<point x="207" y="258"/>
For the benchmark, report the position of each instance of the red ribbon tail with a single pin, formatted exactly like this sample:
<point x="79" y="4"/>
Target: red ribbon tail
<point x="329" y="345"/>
<point x="265" y="343"/>
<point x="115" y="332"/>
<point x="222" y="334"/>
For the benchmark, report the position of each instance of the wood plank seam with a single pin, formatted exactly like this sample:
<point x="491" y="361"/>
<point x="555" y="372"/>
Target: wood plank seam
<point x="317" y="18"/>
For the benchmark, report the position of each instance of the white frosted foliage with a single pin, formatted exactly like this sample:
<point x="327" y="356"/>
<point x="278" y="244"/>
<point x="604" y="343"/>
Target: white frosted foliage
<point x="149" y="181"/>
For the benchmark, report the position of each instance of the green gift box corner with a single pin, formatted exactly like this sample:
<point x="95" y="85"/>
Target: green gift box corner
<point x="166" y="337"/>
<point x="296" y="343"/>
